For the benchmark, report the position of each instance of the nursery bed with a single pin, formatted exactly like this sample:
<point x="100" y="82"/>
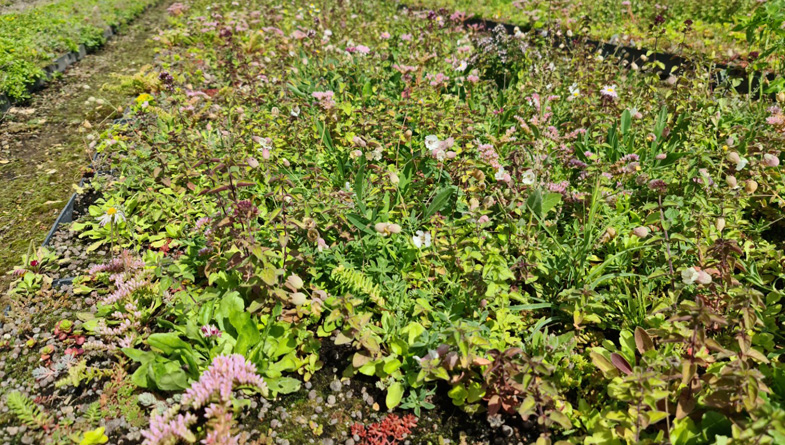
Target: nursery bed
<point x="348" y="223"/>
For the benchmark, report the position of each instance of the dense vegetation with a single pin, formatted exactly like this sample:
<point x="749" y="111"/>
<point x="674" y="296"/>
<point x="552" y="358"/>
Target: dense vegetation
<point x="743" y="33"/>
<point x="564" y="249"/>
<point x="32" y="38"/>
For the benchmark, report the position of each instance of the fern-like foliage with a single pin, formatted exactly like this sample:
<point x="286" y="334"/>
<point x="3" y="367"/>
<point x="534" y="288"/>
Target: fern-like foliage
<point x="81" y="373"/>
<point x="357" y="282"/>
<point x="93" y="413"/>
<point x="26" y="410"/>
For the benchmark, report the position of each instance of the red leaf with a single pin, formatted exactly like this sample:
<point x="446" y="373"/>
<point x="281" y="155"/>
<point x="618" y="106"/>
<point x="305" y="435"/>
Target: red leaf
<point x="621" y="363"/>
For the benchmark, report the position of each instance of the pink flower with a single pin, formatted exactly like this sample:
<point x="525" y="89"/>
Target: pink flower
<point x="483" y="219"/>
<point x="384" y="36"/>
<point x="406" y="37"/>
<point x="220" y="378"/>
<point x="210" y="331"/>
<point x="609" y="91"/>
<point x="472" y="78"/>
<point x="325" y="98"/>
<point x="162" y="428"/>
<point x="769" y="160"/>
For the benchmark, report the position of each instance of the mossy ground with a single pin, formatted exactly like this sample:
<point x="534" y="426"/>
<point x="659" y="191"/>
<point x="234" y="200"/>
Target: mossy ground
<point x="45" y="144"/>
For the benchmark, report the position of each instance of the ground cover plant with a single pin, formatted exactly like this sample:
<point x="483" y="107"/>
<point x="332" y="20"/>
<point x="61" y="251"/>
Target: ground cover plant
<point x="488" y="239"/>
<point x="745" y="33"/>
<point x="31" y="39"/>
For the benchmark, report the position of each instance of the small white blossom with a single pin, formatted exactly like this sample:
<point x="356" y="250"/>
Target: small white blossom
<point x="610" y="91"/>
<point x="422" y="239"/>
<point x="574" y="90"/>
<point x="113" y="214"/>
<point x="689" y="275"/>
<point x="528" y="177"/>
<point x="432" y="142"/>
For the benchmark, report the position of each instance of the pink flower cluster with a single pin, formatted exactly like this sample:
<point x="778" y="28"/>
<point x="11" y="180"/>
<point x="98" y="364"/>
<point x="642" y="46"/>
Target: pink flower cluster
<point x="489" y="155"/>
<point x="220" y="377"/>
<point x="126" y="262"/>
<point x="209" y="330"/>
<point x="162" y="428"/>
<point x="124" y="288"/>
<point x="361" y="49"/>
<point x="438" y="80"/>
<point x="405" y="69"/>
<point x="325" y="98"/>
<point x="777" y="118"/>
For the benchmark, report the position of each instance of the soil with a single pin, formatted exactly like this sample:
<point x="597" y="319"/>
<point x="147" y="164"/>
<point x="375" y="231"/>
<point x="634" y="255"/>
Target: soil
<point x="45" y="144"/>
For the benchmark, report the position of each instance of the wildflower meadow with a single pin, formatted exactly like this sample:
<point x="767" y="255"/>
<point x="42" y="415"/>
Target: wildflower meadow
<point x="429" y="222"/>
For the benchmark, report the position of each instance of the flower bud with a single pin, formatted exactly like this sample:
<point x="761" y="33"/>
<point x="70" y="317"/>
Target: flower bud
<point x="719" y="224"/>
<point x="750" y="186"/>
<point x="641" y="232"/>
<point x="294" y="281"/>
<point x="769" y="160"/>
<point x="703" y="277"/>
<point x="298" y="298"/>
<point x="731" y="181"/>
<point x="734" y="157"/>
<point x="394" y="180"/>
<point x="381" y="228"/>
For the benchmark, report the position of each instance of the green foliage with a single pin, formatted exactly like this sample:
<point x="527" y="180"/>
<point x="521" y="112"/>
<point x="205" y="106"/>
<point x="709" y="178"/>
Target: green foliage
<point x="460" y="210"/>
<point x="27" y="411"/>
<point x="82" y="374"/>
<point x="94" y="437"/>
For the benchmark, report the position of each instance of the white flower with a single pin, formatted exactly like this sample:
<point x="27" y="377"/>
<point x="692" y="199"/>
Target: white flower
<point x="689" y="275"/>
<point x="113" y="214"/>
<point x="440" y="155"/>
<point x="432" y="142"/>
<point x="609" y="91"/>
<point x="574" y="90"/>
<point x="528" y="177"/>
<point x="348" y="186"/>
<point x="375" y="155"/>
<point x="500" y="174"/>
<point x="462" y="67"/>
<point x="741" y="164"/>
<point x="422" y="239"/>
<point x="295" y="111"/>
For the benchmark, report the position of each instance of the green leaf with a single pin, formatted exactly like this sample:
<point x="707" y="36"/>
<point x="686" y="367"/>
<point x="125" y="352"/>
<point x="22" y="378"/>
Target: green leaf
<point x="438" y="202"/>
<point x="394" y="395"/>
<point x="247" y="332"/>
<point x="534" y="203"/>
<point x="169" y="376"/>
<point x="94" y="437"/>
<point x="392" y="366"/>
<point x="549" y="201"/>
<point x="604" y="364"/>
<point x="167" y="343"/>
<point x="138" y="356"/>
<point x="626" y="122"/>
<point x="360" y="222"/>
<point x="458" y="394"/>
<point x="283" y="385"/>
